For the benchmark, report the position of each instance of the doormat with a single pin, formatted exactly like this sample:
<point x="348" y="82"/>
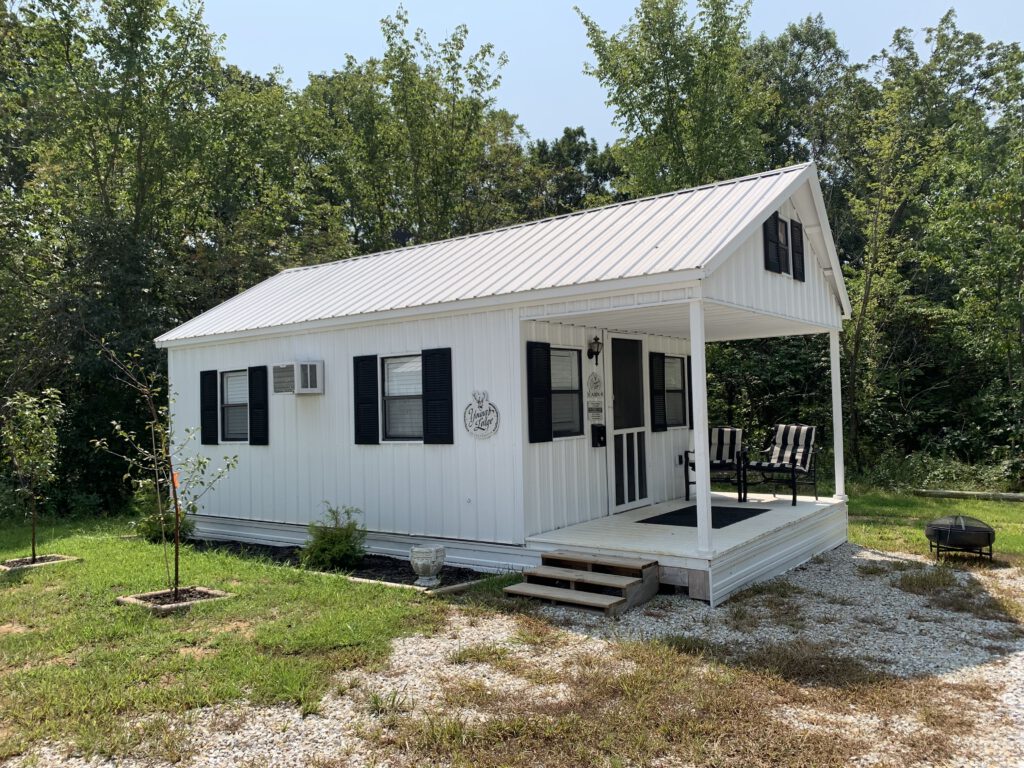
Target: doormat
<point x="720" y="516"/>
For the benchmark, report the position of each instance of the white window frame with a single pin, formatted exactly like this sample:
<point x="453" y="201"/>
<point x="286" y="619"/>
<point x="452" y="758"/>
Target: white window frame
<point x="685" y="409"/>
<point x="583" y="426"/>
<point x="384" y="398"/>
<point x="225" y="405"/>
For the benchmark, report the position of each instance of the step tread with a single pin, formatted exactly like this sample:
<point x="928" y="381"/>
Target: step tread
<point x="589" y="599"/>
<point x="583" y="577"/>
<point x="608" y="560"/>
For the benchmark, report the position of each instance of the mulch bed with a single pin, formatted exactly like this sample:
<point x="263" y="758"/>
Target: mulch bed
<point x="392" y="570"/>
<point x="21" y="562"/>
<point x="184" y="594"/>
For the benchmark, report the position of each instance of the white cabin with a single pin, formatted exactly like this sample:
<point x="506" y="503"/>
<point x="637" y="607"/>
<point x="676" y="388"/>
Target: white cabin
<point x="450" y="391"/>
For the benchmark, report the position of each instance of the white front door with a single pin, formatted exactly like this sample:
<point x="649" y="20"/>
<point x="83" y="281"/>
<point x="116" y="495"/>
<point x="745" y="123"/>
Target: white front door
<point x="628" y="439"/>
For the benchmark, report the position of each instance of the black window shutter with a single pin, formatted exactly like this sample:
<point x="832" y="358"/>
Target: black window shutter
<point x="796" y="236"/>
<point x="689" y="393"/>
<point x="659" y="417"/>
<point x="209" y="421"/>
<point x="437" y="397"/>
<point x="259" y="416"/>
<point x="771" y="244"/>
<point x="538" y="391"/>
<point x="367" y="411"/>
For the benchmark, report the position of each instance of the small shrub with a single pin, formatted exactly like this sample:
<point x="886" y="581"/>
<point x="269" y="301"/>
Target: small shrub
<point x="155" y="528"/>
<point x="338" y="544"/>
<point x="151" y="525"/>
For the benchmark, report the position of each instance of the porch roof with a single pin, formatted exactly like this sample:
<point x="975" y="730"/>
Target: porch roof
<point x="677" y="234"/>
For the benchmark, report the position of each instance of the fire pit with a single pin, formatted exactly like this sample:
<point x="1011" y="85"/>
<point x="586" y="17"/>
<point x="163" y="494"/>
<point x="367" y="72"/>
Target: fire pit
<point x="959" y="533"/>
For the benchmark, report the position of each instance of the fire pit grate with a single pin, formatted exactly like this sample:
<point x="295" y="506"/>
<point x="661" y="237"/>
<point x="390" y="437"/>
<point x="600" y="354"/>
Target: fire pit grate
<point x="959" y="533"/>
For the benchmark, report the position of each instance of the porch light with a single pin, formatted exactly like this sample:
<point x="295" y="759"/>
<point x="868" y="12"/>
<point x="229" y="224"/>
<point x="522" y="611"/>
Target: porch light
<point x="594" y="349"/>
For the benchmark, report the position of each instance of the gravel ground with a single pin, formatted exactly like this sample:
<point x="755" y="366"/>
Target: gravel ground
<point x="846" y="600"/>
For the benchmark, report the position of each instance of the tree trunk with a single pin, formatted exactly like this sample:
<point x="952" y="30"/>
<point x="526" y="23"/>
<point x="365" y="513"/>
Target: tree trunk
<point x="32" y="510"/>
<point x="177" y="530"/>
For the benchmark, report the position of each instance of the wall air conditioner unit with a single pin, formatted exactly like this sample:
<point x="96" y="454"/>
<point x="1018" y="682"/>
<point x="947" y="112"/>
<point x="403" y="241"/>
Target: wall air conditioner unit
<point x="299" y="378"/>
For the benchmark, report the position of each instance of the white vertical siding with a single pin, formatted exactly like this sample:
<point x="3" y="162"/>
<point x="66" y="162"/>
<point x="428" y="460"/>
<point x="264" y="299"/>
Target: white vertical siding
<point x="742" y="280"/>
<point x="565" y="481"/>
<point x="461" y="491"/>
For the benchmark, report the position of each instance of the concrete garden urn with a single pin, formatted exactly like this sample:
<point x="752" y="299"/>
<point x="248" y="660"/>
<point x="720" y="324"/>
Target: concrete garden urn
<point x="427" y="563"/>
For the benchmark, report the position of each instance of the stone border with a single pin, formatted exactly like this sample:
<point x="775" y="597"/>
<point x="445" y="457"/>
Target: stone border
<point x="168" y="608"/>
<point x="26" y="566"/>
<point x="450" y="589"/>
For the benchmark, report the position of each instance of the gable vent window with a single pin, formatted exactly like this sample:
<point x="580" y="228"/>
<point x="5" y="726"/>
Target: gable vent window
<point x="783" y="229"/>
<point x="284" y="379"/>
<point x="402" y="379"/>
<point x="234" y="393"/>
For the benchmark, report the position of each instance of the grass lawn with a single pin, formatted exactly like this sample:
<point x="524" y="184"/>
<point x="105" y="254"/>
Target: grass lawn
<point x="890" y="521"/>
<point x="75" y="666"/>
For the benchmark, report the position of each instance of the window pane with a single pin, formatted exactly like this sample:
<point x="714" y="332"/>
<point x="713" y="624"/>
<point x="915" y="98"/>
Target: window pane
<point x="235" y="389"/>
<point x="566" y="417"/>
<point x="236" y="422"/>
<point x="403" y="376"/>
<point x="673" y="373"/>
<point x="674" y="413"/>
<point x="565" y="369"/>
<point x="404" y="418"/>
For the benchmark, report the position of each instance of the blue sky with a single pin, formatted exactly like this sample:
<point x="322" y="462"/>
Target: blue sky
<point x="544" y="82"/>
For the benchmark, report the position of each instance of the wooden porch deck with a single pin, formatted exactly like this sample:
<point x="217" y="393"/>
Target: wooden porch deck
<point x="747" y="551"/>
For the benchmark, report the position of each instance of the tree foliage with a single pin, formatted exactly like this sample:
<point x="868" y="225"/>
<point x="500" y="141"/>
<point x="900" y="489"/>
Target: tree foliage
<point x="144" y="179"/>
<point x="29" y="440"/>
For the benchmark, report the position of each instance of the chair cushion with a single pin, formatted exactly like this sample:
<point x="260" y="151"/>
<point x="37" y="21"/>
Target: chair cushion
<point x="791" y="444"/>
<point x="771" y="466"/>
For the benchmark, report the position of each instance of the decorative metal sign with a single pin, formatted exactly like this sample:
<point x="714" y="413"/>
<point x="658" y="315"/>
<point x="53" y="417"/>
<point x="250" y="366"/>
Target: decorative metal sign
<point x="481" y="417"/>
<point x="595" y="386"/>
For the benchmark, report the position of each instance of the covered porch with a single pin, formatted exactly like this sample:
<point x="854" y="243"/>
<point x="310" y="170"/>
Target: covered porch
<point x="711" y="562"/>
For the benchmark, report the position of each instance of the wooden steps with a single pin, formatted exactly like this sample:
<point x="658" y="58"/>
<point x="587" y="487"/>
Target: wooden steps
<point x="596" y="582"/>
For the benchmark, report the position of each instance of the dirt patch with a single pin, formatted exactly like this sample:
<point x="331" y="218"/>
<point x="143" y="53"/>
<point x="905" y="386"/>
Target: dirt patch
<point x="197" y="652"/>
<point x="13" y="628"/>
<point x="240" y="628"/>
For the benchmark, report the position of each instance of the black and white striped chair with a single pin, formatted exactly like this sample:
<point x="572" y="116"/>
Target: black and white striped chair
<point x="789" y="458"/>
<point x="726" y="450"/>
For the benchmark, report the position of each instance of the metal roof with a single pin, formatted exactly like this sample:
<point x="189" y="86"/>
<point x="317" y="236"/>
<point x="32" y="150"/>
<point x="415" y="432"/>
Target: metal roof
<point x="674" y="232"/>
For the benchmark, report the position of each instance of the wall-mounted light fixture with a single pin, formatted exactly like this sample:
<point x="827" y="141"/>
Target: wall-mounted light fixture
<point x="594" y="349"/>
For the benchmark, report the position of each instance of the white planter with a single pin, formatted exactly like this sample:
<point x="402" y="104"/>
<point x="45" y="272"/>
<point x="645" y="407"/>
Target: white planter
<point x="427" y="563"/>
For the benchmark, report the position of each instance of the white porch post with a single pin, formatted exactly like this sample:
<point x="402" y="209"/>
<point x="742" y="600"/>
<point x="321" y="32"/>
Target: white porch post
<point x="837" y="415"/>
<point x="701" y="449"/>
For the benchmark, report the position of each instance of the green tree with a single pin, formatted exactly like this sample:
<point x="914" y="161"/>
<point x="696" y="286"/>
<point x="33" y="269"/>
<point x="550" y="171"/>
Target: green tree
<point x="685" y="96"/>
<point x="30" y="446"/>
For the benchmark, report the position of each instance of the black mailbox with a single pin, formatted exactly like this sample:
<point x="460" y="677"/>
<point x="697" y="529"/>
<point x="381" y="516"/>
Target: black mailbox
<point x="598" y="436"/>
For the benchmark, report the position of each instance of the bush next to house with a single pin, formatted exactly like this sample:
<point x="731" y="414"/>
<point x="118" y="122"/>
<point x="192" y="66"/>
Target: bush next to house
<point x="336" y="544"/>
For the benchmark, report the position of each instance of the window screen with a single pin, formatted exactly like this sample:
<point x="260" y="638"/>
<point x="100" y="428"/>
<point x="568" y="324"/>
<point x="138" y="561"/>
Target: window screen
<point x="675" y="392"/>
<point x="566" y="393"/>
<point x="234" y="394"/>
<point x="403" y="397"/>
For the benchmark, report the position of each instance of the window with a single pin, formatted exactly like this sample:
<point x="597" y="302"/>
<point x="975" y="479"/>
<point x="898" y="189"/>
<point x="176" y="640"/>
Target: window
<point x="675" y="392"/>
<point x="566" y="393"/>
<point x="234" y="405"/>
<point x="402" y="379"/>
<point x="784" y="246"/>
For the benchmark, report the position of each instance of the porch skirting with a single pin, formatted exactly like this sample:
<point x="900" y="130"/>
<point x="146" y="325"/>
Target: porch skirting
<point x="741" y="554"/>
